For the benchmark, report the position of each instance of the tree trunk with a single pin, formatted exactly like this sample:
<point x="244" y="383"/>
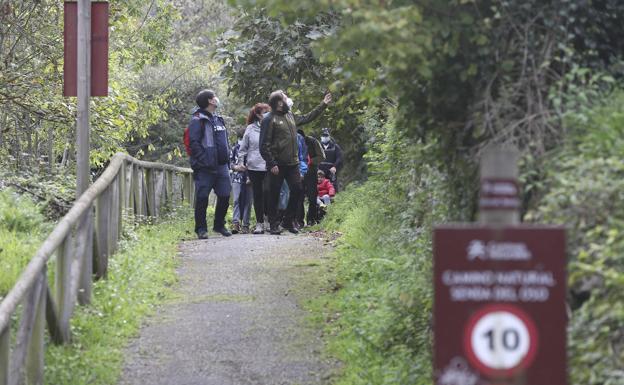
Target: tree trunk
<point x="50" y="149"/>
<point x="3" y="125"/>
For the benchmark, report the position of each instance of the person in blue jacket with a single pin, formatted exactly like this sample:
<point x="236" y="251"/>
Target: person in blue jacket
<point x="210" y="161"/>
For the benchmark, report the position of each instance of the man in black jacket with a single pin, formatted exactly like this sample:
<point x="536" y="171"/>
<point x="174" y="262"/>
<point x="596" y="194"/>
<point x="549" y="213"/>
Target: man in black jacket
<point x="333" y="157"/>
<point x="280" y="149"/>
<point x="210" y="158"/>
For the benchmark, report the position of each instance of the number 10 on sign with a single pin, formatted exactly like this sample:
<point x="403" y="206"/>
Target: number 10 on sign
<point x="500" y="340"/>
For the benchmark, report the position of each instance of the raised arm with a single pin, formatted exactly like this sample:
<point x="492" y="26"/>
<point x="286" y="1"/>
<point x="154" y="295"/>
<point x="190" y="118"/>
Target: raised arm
<point x="315" y="113"/>
<point x="310" y="116"/>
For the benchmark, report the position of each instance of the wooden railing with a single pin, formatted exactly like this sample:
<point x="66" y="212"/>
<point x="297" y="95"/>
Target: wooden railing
<point x="82" y="242"/>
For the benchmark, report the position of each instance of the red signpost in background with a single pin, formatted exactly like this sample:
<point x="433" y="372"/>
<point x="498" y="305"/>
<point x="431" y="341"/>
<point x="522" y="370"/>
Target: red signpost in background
<point x="99" y="49"/>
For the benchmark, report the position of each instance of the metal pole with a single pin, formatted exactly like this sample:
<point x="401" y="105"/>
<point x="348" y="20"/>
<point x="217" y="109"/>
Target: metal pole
<point x="84" y="93"/>
<point x="82" y="144"/>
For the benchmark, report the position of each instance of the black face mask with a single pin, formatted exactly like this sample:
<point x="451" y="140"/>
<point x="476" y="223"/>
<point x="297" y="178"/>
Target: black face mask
<point x="285" y="108"/>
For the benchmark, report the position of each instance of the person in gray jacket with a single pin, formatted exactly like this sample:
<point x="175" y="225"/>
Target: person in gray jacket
<point x="249" y="159"/>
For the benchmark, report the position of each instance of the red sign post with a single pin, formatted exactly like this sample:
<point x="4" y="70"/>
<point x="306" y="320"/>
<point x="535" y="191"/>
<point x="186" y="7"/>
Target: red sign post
<point x="99" y="49"/>
<point x="500" y="288"/>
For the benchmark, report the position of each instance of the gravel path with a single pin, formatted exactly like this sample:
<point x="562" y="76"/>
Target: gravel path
<point x="236" y="317"/>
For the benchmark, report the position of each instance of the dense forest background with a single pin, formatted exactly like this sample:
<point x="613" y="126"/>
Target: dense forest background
<point x="421" y="88"/>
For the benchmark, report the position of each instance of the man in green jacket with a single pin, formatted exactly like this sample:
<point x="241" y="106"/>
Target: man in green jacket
<point x="280" y="150"/>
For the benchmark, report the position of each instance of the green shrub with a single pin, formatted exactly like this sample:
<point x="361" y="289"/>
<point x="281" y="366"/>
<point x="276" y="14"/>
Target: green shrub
<point x="381" y="313"/>
<point x="22" y="229"/>
<point x="379" y="316"/>
<point x="584" y="189"/>
<point x="17" y="213"/>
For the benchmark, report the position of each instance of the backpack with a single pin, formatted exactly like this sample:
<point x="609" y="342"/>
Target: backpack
<point x="187" y="136"/>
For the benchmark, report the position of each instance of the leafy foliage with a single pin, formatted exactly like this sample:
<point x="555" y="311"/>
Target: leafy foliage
<point x="462" y="73"/>
<point x="436" y="83"/>
<point x="262" y="54"/>
<point x="33" y="108"/>
<point x="379" y="317"/>
<point x="22" y="227"/>
<point x="584" y="190"/>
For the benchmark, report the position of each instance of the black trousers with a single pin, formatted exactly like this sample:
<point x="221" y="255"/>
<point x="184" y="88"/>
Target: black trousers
<point x="293" y="179"/>
<point x="311" y="192"/>
<point x="259" y="195"/>
<point x="204" y="183"/>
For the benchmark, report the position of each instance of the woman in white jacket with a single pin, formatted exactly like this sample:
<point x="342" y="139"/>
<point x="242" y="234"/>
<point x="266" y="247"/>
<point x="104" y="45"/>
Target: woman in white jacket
<point x="249" y="159"/>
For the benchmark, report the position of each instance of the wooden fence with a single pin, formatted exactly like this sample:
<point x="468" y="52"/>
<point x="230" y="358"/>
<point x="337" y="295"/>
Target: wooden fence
<point x="81" y="242"/>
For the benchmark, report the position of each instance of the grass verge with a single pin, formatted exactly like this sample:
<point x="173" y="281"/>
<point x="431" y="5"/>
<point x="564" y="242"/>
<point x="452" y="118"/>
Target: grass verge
<point x="140" y="277"/>
<point x="22" y="229"/>
<point x="378" y="314"/>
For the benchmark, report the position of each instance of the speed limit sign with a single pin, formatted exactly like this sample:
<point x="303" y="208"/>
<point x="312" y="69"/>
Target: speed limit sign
<point x="500" y="305"/>
<point x="500" y="339"/>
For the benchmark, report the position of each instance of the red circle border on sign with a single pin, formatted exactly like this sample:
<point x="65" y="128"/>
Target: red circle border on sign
<point x="533" y="336"/>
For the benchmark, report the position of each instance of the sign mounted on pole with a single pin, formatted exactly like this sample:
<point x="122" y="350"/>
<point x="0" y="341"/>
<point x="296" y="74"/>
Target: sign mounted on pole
<point x="99" y="49"/>
<point x="500" y="289"/>
<point x="499" y="310"/>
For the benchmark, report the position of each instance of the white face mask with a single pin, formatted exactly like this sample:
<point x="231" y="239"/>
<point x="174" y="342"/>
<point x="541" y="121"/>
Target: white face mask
<point x="289" y="102"/>
<point x="325" y="139"/>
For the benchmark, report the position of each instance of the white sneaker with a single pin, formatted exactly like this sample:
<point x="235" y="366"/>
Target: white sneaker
<point x="259" y="229"/>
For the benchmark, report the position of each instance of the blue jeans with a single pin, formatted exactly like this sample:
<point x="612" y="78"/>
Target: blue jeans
<point x="284" y="196"/>
<point x="243" y="198"/>
<point x="206" y="181"/>
<point x="325" y="199"/>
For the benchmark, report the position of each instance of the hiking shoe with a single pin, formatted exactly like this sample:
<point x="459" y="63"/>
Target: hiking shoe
<point x="291" y="229"/>
<point x="245" y="230"/>
<point x="236" y="228"/>
<point x="275" y="230"/>
<point x="259" y="229"/>
<point x="202" y="235"/>
<point x="223" y="231"/>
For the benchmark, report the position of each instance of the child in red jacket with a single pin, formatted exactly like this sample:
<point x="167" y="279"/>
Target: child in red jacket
<point x="326" y="190"/>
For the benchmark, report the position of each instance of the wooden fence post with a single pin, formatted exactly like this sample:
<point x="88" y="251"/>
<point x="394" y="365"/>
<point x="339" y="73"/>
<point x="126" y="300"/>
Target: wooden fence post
<point x="36" y="347"/>
<point x="186" y="188"/>
<point x="178" y="185"/>
<point x="159" y="190"/>
<point x="52" y="318"/>
<point x="113" y="224"/>
<point x="128" y="191"/>
<point x="121" y="176"/>
<point x="170" y="196"/>
<point x="5" y="355"/>
<point x="139" y="193"/>
<point x="64" y="256"/>
<point x="85" y="234"/>
<point x="25" y="334"/>
<point x="102" y="220"/>
<point x="144" y="192"/>
<point x="151" y="198"/>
